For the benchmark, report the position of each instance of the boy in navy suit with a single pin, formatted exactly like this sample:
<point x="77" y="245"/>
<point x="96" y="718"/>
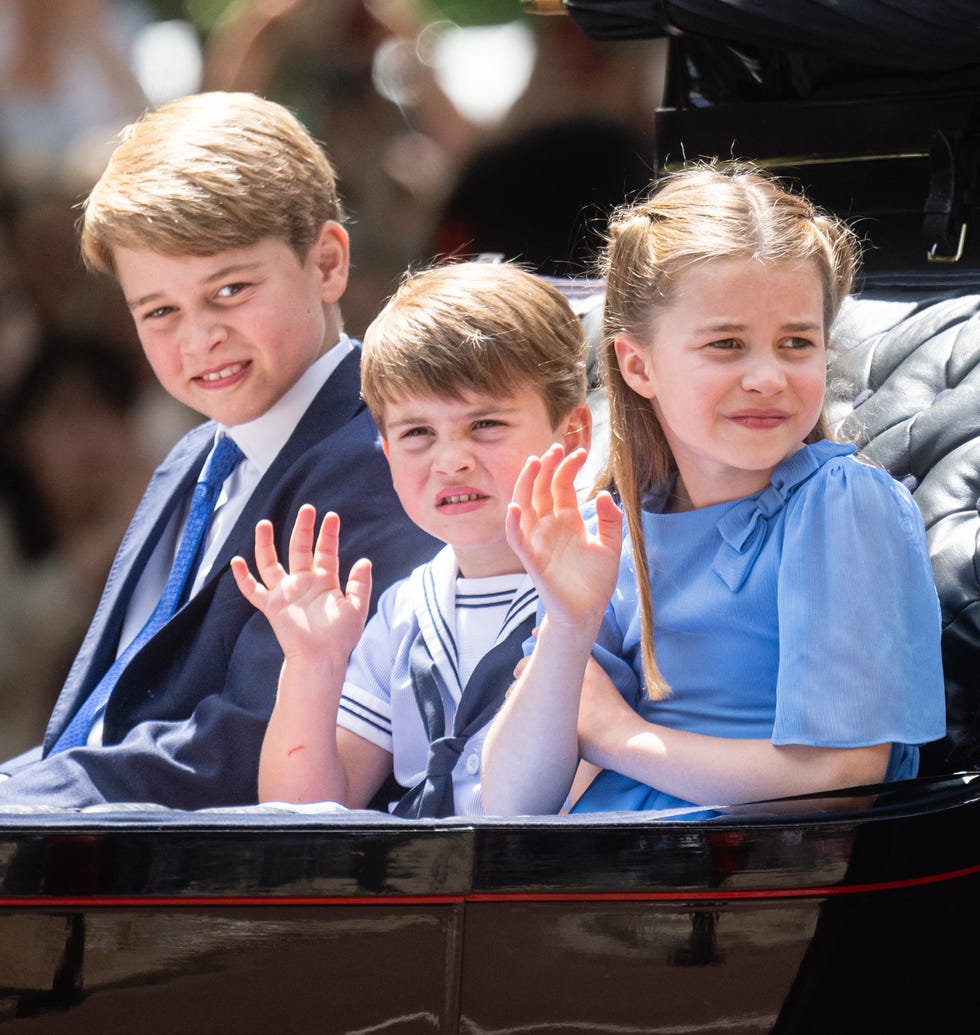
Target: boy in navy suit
<point x="218" y="215"/>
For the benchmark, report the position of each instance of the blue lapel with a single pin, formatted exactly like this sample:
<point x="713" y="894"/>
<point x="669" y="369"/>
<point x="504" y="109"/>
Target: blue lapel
<point x="336" y="404"/>
<point x="169" y="487"/>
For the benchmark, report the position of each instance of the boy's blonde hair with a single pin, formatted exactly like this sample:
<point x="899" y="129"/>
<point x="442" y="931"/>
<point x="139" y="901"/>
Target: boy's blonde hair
<point x="484" y="327"/>
<point x="699" y="213"/>
<point x="207" y="173"/>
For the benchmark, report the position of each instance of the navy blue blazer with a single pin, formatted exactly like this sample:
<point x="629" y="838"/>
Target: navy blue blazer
<point x="185" y="723"/>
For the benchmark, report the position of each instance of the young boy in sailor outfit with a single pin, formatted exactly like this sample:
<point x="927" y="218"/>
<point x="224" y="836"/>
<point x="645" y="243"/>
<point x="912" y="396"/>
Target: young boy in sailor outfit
<point x="470" y="369"/>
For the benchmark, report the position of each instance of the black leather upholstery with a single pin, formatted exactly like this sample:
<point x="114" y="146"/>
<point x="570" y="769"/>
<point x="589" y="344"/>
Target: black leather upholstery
<point x="905" y="387"/>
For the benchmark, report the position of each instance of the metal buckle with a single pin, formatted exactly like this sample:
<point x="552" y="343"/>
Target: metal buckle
<point x="933" y="256"/>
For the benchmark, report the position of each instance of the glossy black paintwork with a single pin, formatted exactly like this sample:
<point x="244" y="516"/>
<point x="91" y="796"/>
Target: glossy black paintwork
<point x="844" y="922"/>
<point x="194" y="862"/>
<point x="916" y="829"/>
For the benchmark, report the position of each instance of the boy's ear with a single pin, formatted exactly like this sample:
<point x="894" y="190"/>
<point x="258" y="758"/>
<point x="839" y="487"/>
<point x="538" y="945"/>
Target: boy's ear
<point x="633" y="359"/>
<point x="331" y="253"/>
<point x="384" y="448"/>
<point x="575" y="430"/>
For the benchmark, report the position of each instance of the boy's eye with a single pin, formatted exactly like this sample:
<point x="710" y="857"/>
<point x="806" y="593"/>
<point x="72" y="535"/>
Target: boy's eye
<point x="487" y="424"/>
<point x="230" y="290"/>
<point x="416" y="432"/>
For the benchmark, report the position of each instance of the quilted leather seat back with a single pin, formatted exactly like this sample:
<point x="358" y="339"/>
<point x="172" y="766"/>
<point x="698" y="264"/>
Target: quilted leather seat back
<point x="905" y="387"/>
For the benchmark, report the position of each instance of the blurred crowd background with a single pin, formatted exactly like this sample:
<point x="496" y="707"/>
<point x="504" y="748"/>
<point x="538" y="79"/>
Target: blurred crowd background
<point x="457" y="127"/>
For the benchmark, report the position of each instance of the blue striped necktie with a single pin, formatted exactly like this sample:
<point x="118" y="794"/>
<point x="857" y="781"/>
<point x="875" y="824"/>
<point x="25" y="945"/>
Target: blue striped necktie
<point x="223" y="459"/>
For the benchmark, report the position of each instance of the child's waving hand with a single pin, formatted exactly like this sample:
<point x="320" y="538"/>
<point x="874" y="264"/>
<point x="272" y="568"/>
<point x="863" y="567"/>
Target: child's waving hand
<point x="306" y="607"/>
<point x="574" y="570"/>
<point x="575" y="574"/>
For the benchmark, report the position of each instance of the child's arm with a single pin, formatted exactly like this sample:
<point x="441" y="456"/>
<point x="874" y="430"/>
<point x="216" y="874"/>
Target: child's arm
<point x="531" y="751"/>
<point x="706" y="769"/>
<point x="317" y="625"/>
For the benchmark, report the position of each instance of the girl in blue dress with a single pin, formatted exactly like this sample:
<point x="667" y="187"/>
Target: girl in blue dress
<point x="767" y="623"/>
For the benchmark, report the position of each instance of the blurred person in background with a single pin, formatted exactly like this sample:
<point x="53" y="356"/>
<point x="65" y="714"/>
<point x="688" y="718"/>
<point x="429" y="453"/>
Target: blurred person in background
<point x="72" y="469"/>
<point x="19" y="326"/>
<point x="65" y="87"/>
<point x="576" y="142"/>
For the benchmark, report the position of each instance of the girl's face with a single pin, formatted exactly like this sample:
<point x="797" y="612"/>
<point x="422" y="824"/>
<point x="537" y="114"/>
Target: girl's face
<point x="735" y="369"/>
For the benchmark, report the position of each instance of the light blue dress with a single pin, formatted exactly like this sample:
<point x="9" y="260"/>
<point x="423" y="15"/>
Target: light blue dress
<point x="805" y="613"/>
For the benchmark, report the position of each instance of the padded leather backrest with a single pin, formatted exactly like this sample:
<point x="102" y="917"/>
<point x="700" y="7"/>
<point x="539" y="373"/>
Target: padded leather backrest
<point x="905" y="387"/>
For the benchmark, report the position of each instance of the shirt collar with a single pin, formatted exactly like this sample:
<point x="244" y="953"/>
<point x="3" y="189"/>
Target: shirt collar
<point x="262" y="439"/>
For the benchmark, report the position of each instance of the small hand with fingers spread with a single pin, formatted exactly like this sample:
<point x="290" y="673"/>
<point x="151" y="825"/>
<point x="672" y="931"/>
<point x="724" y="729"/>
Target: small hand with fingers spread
<point x="306" y="607"/>
<point x="573" y="570"/>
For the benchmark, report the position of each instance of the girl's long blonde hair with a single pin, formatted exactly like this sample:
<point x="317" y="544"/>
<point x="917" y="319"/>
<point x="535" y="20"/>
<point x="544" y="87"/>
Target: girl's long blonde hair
<point x="701" y="212"/>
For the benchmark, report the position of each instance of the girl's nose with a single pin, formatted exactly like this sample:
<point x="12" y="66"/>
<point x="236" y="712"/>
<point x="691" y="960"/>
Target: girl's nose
<point x="765" y="375"/>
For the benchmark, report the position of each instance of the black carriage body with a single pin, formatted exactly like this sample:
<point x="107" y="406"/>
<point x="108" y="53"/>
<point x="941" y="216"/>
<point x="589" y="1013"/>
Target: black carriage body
<point x="162" y="922"/>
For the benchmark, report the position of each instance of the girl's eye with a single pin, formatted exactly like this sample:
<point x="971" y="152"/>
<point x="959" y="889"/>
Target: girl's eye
<point x="725" y="344"/>
<point x="158" y="313"/>
<point x="798" y="344"/>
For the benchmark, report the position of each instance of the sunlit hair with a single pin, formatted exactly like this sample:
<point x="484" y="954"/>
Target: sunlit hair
<point x="488" y="328"/>
<point x="207" y="173"/>
<point x="697" y="214"/>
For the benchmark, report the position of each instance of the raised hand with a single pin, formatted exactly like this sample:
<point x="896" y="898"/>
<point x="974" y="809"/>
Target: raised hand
<point x="573" y="570"/>
<point x="309" y="612"/>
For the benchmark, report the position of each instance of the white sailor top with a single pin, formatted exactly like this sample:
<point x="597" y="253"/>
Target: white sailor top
<point x="426" y="611"/>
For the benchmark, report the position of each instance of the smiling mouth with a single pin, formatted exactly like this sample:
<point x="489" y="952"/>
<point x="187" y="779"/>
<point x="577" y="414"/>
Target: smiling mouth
<point x="759" y="419"/>
<point x="224" y="372"/>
